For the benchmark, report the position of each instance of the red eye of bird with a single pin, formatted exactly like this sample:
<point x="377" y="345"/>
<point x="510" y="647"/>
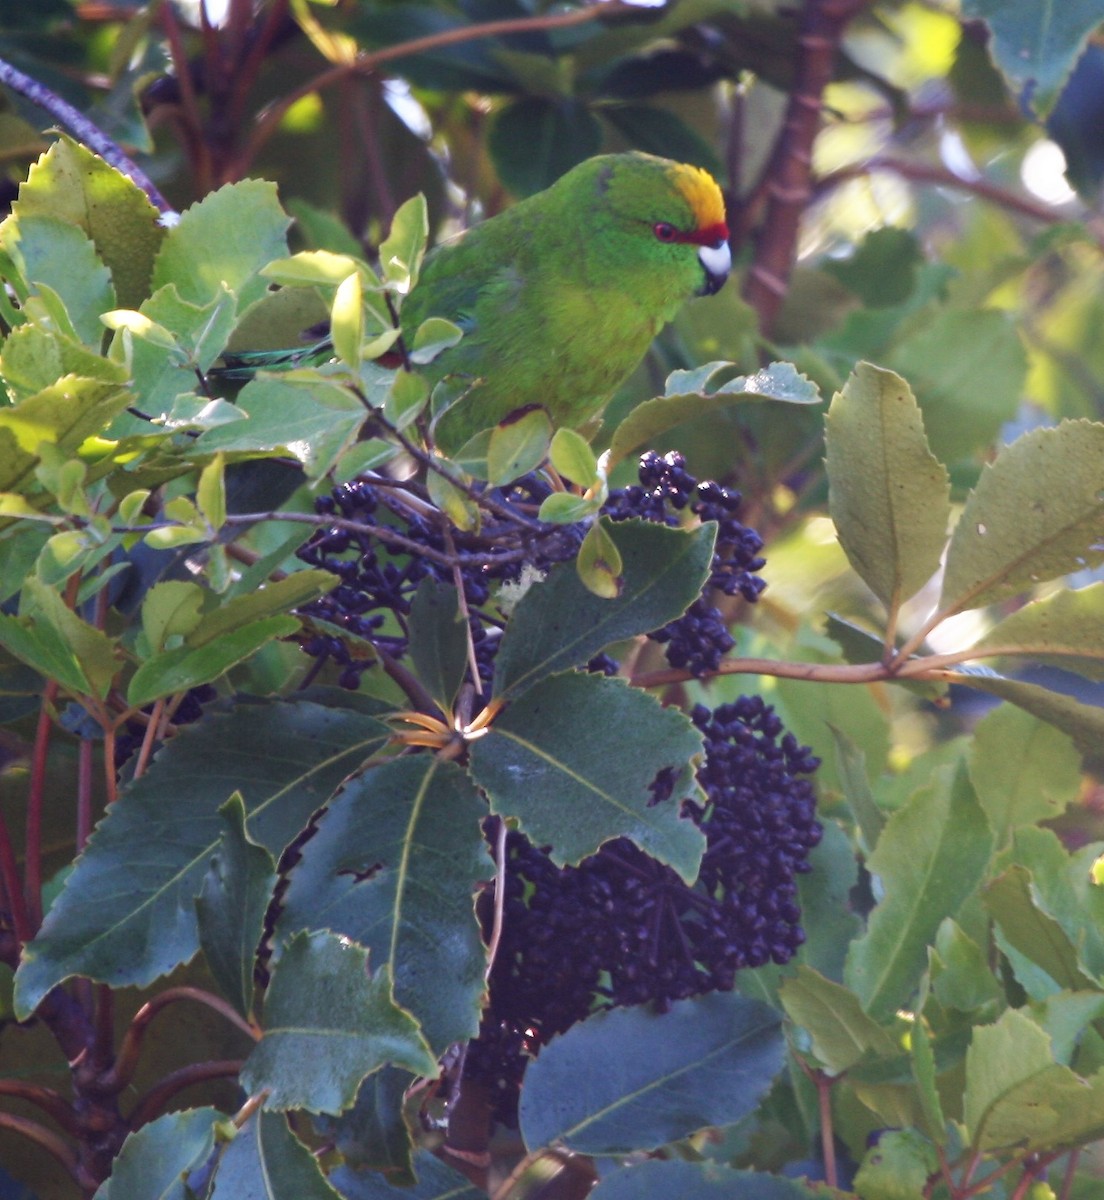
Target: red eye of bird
<point x="665" y="232"/>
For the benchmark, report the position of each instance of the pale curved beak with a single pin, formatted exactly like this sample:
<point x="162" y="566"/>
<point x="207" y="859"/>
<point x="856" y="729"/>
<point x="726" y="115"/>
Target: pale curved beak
<point x="716" y="261"/>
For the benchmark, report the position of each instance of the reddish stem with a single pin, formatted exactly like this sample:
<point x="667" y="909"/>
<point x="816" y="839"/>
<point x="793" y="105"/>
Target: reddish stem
<point x="45" y="1138"/>
<point x="52" y="1103"/>
<point x="13" y="885"/>
<point x="153" y="1102"/>
<point x="36" y="800"/>
<point x="788" y="176"/>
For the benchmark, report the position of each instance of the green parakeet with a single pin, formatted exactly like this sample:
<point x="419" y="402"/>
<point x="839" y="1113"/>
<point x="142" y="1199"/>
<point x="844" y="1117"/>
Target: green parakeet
<point x="560" y="295"/>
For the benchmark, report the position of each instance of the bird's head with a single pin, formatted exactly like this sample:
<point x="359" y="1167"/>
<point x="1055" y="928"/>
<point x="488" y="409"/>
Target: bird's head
<point x="675" y="205"/>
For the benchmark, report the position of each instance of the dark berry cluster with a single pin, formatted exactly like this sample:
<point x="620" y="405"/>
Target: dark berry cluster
<point x="699" y="639"/>
<point x="623" y="929"/>
<point x="378" y="578"/>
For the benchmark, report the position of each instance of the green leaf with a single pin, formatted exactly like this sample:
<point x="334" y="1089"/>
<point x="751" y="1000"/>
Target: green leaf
<point x="347" y="321"/>
<point x="960" y="975"/>
<point x="686" y="397"/>
<point x="393" y="865"/>
<point x="224" y="241"/>
<point x="924" y="1076"/>
<point x="403" y="249"/>
<point x="571" y="455"/>
<point x="1063" y="630"/>
<point x="897" y="1168"/>
<point x="565" y="508"/>
<point x="1035" y="43"/>
<point x="438" y="641"/>
<point x="1036" y="513"/>
<point x="1084" y="723"/>
<point x="96" y="653"/>
<point x="550" y="762"/>
<point x="560" y="624"/>
<point x="431" y="338"/>
<point x="36" y="355"/>
<point x="310" y="418"/>
<point x="170" y="610"/>
<point x="189" y="666"/>
<point x="599" y="563"/>
<point x="1012" y="901"/>
<point x="856" y="789"/>
<point x="832" y="1015"/>
<point x="61" y="255"/>
<point x="967" y="368"/>
<point x="436" y="1181"/>
<point x="518" y="446"/>
<point x="660" y="131"/>
<point x="931" y="856"/>
<point x="535" y="140"/>
<point x="231" y="906"/>
<point x="453" y="500"/>
<point x="700" y="1180"/>
<point x="374" y="1133"/>
<point x="1023" y="769"/>
<point x="1010" y="1073"/>
<point x="72" y="183"/>
<point x="156" y="1160"/>
<point x="310" y="267"/>
<point x="266" y="1161"/>
<point x="314" y="1056"/>
<point x="889" y="496"/>
<point x="406" y="398"/>
<point x="709" y="1062"/>
<point x="283" y="758"/>
<point x="62" y="415"/>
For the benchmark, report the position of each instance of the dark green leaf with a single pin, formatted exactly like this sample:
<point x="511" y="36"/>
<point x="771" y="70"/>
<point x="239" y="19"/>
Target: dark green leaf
<point x="709" y="1062"/>
<point x="675" y="1180"/>
<point x="314" y="1056"/>
<point x="156" y="1160"/>
<point x="373" y="1133"/>
<point x="438" y="641"/>
<point x="1035" y="43"/>
<point x="393" y="865"/>
<point x="560" y="624"/>
<point x="660" y="131"/>
<point x="231" y="906"/>
<point x="686" y="397"/>
<point x="266" y="1161"/>
<point x="536" y="140"/>
<point x="550" y="761"/>
<point x="124" y="919"/>
<point x="436" y="1181"/>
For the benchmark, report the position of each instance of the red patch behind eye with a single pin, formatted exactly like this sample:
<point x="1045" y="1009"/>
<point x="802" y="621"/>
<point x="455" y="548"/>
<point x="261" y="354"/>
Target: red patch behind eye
<point x="712" y="235"/>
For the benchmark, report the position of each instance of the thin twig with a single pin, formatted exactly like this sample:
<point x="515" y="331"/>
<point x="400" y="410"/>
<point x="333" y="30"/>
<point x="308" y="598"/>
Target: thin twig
<point x="154" y="1101"/>
<point x="121" y="1073"/>
<point x="499" y="897"/>
<point x="82" y="129"/>
<point x="45" y="1138"/>
<point x="269" y="119"/>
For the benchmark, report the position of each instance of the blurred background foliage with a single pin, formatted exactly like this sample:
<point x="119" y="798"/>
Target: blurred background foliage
<point x="938" y="214"/>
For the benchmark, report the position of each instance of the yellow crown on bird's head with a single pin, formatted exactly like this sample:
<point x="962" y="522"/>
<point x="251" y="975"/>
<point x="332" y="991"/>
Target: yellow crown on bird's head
<point x="701" y="192"/>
